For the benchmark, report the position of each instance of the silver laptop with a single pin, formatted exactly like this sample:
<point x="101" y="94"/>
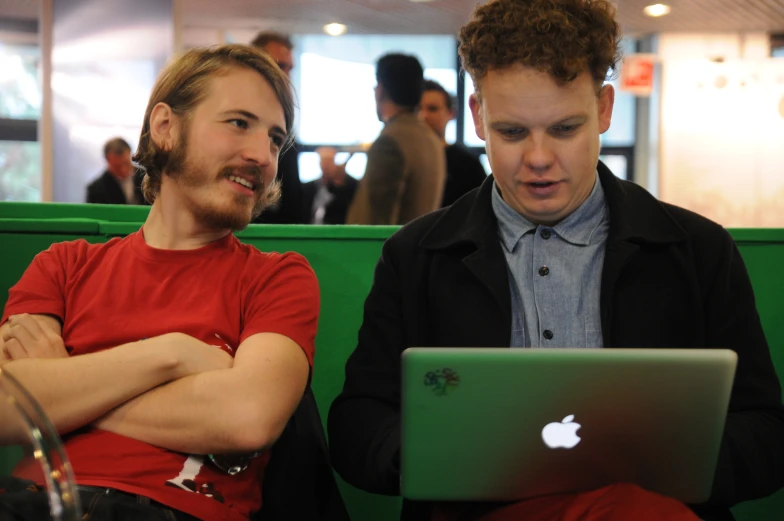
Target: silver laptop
<point x="503" y="424"/>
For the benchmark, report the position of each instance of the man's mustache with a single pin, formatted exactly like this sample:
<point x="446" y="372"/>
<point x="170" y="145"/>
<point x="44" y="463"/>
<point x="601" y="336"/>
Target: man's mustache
<point x="246" y="171"/>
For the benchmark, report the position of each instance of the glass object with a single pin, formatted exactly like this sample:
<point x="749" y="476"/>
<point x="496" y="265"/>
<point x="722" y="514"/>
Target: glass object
<point x="20" y="171"/>
<point x="20" y="90"/>
<point x="23" y="420"/>
<point x="335" y="80"/>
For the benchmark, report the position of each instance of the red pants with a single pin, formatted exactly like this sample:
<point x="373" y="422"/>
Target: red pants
<point x="619" y="502"/>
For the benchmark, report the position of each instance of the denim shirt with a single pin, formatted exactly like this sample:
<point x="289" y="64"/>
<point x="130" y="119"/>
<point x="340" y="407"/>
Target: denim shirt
<point x="555" y="273"/>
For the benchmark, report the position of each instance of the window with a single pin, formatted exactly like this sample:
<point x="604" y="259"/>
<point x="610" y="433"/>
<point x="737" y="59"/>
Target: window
<point x="20" y="94"/>
<point x="20" y="171"/>
<point x="310" y="170"/>
<point x="335" y="78"/>
<point x="20" y="108"/>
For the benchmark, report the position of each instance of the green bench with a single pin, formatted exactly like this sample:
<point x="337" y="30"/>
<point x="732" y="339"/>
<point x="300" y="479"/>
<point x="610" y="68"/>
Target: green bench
<point x="343" y="259"/>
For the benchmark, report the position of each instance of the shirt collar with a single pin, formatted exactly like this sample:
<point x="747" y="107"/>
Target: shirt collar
<point x="511" y="225"/>
<point x="577" y="228"/>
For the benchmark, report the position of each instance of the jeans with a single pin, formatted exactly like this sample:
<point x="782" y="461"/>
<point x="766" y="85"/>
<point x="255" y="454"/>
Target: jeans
<point x="24" y="501"/>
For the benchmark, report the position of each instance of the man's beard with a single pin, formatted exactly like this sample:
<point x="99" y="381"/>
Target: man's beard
<point x="181" y="170"/>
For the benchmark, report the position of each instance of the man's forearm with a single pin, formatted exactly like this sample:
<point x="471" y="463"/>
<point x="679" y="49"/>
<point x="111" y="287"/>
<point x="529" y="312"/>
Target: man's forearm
<point x="206" y="413"/>
<point x="75" y="391"/>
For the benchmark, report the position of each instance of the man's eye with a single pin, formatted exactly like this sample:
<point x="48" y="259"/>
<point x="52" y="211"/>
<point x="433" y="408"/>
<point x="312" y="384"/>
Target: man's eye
<point x="564" y="129"/>
<point x="512" y="132"/>
<point x="239" y="123"/>
<point x="278" y="141"/>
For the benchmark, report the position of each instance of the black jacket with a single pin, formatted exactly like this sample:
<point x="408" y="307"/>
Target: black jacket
<point x="106" y="189"/>
<point x="671" y="278"/>
<point x="298" y="480"/>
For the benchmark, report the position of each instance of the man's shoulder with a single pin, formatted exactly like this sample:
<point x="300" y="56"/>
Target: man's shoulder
<point x="261" y="263"/>
<point x="701" y="230"/>
<point x="411" y="130"/>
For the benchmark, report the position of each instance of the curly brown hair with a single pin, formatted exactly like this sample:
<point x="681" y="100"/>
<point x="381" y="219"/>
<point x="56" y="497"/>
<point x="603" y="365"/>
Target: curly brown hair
<point x="183" y="84"/>
<point x="563" y="38"/>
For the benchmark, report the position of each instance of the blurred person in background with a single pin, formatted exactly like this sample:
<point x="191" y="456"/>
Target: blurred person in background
<point x="289" y="209"/>
<point x="464" y="172"/>
<point x="327" y="199"/>
<point x="121" y="182"/>
<point x="406" y="168"/>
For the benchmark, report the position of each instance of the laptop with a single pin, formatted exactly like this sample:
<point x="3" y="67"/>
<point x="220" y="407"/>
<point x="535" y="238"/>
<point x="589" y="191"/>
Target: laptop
<point x="502" y="424"/>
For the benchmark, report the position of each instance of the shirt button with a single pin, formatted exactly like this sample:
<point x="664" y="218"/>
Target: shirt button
<point x="548" y="335"/>
<point x="544" y="271"/>
<point x="545" y="234"/>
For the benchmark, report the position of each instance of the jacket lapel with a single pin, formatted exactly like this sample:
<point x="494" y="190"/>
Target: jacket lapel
<point x="468" y="229"/>
<point x="636" y="218"/>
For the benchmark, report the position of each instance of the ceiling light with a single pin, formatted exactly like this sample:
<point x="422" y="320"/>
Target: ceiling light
<point x="335" y="29"/>
<point x="657" y="10"/>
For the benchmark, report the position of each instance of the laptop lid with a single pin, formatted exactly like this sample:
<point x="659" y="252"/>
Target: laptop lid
<point x="503" y="424"/>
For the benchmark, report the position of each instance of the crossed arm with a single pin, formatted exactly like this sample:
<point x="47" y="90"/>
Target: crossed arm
<point x="172" y="391"/>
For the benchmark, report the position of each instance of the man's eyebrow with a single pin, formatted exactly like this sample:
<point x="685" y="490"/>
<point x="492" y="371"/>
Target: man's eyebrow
<point x="243" y="113"/>
<point x="253" y="117"/>
<point x="504" y="123"/>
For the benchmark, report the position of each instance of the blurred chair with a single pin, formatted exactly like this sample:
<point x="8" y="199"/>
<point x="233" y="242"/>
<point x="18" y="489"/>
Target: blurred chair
<point x="19" y="411"/>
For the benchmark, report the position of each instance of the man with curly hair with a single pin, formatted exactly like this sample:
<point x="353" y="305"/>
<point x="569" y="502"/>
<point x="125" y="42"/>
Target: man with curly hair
<point x="553" y="250"/>
<point x="165" y="357"/>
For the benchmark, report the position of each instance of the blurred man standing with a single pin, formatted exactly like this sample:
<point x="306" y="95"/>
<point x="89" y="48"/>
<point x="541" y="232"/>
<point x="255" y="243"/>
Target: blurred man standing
<point x="120" y="183"/>
<point x="290" y="209"/>
<point x="406" y="170"/>
<point x="327" y="199"/>
<point x="464" y="172"/>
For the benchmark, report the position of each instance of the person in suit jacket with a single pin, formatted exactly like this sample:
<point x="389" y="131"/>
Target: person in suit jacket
<point x="326" y="200"/>
<point x="120" y="183"/>
<point x="406" y="168"/>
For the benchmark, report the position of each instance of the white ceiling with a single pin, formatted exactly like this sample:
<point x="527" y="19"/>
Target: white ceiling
<point x="442" y="16"/>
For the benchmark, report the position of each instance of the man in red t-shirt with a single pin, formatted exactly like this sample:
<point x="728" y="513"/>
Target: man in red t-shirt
<point x="161" y="356"/>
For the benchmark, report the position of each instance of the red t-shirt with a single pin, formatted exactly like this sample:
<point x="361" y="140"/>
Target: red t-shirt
<point x="123" y="291"/>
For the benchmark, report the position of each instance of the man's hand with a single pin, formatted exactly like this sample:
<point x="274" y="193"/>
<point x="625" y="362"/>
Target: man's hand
<point x="194" y="356"/>
<point x="29" y="336"/>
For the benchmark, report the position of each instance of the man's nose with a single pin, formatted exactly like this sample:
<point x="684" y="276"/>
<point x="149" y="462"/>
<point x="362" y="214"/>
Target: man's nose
<point x="259" y="151"/>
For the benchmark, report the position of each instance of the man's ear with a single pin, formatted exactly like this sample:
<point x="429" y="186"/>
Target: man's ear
<point x="476" y="112"/>
<point x="164" y="126"/>
<point x="452" y="113"/>
<point x="605" y="105"/>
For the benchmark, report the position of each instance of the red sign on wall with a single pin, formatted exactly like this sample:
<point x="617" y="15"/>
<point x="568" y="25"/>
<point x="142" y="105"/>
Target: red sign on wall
<point x="637" y="74"/>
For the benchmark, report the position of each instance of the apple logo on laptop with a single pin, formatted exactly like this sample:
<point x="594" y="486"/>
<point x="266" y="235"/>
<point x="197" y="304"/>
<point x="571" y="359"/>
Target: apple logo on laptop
<point x="561" y="434"/>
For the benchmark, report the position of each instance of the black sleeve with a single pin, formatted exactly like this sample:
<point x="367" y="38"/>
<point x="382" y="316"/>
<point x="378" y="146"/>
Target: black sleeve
<point x="364" y="420"/>
<point x="751" y="460"/>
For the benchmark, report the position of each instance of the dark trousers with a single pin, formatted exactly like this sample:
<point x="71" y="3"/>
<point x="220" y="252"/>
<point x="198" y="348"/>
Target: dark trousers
<point x="24" y="501"/>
